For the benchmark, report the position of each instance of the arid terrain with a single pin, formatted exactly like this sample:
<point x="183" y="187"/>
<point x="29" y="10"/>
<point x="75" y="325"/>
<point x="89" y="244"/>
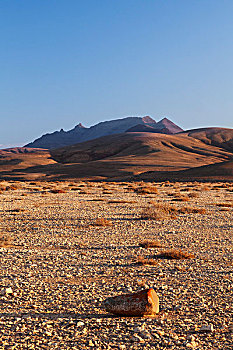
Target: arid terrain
<point x="67" y="246"/>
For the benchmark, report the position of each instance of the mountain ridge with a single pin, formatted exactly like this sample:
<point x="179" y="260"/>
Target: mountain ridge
<point x="81" y="133"/>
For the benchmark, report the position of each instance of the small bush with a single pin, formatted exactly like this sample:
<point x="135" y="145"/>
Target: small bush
<point x="181" y="198"/>
<point x="142" y="261"/>
<point x="150" y="244"/>
<point x="226" y="205"/>
<point x="191" y="210"/>
<point x="193" y="195"/>
<point x="159" y="211"/>
<point x="102" y="222"/>
<point x="175" y="254"/>
<point x="146" y="190"/>
<point x="116" y="201"/>
<point x="5" y="240"/>
<point x="58" y="190"/>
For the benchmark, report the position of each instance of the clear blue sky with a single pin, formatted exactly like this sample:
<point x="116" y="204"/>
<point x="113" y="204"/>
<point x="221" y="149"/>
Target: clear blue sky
<point x="64" y="62"/>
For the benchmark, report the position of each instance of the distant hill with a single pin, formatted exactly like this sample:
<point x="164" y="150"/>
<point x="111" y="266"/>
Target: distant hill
<point x="199" y="154"/>
<point x="80" y="133"/>
<point x="222" y="171"/>
<point x="20" y="159"/>
<point x="220" y="137"/>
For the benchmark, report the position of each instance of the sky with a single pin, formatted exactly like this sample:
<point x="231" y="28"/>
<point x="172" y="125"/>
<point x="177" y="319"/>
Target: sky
<point x="64" y="62"/>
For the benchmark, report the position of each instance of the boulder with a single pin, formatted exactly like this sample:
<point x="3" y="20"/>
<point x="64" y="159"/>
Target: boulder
<point x="143" y="303"/>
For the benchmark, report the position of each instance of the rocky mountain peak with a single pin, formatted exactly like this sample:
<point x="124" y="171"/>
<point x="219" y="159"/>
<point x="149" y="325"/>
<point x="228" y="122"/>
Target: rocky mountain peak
<point x="148" y="120"/>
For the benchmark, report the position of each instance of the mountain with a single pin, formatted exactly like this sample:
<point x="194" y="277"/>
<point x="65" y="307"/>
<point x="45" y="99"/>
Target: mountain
<point x="198" y="154"/>
<point x="169" y="125"/>
<point x="80" y="133"/>
<point x="220" y="137"/>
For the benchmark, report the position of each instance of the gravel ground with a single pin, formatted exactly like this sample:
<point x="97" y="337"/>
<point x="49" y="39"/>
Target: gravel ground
<point x="61" y="266"/>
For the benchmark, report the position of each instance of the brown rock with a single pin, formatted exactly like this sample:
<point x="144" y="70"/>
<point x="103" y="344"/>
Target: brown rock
<point x="143" y="303"/>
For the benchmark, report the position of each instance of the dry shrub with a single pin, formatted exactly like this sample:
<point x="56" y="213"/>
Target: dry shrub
<point x="58" y="190"/>
<point x="150" y="244"/>
<point x="11" y="188"/>
<point x="226" y="205"/>
<point x="102" y="222"/>
<point x="17" y="210"/>
<point x="116" y="201"/>
<point x="83" y="192"/>
<point x="193" y="195"/>
<point x="175" y="254"/>
<point x="159" y="211"/>
<point x="97" y="199"/>
<point x="205" y="188"/>
<point x="152" y="213"/>
<point x="191" y="210"/>
<point x="180" y="197"/>
<point x="5" y="240"/>
<point x="146" y="190"/>
<point x="143" y="261"/>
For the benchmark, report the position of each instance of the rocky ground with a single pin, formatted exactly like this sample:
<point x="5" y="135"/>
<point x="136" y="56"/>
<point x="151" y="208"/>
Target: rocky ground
<point x="63" y="261"/>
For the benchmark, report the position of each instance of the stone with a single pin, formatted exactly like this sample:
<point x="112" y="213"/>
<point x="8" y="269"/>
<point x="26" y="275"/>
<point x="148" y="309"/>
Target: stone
<point x="8" y="290"/>
<point x="90" y="343"/>
<point x="207" y="328"/>
<point x="137" y="338"/>
<point x="143" y="303"/>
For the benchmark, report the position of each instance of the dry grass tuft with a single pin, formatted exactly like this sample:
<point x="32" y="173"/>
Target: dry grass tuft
<point x="159" y="211"/>
<point x="226" y="205"/>
<point x="97" y="199"/>
<point x="146" y="190"/>
<point x="119" y="201"/>
<point x="181" y="198"/>
<point x="193" y="195"/>
<point x="102" y="222"/>
<point x="175" y="254"/>
<point x="5" y="241"/>
<point x="58" y="190"/>
<point x="150" y="244"/>
<point x="143" y="261"/>
<point x="191" y="210"/>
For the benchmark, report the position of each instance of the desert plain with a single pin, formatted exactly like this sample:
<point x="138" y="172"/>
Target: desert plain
<point x="67" y="246"/>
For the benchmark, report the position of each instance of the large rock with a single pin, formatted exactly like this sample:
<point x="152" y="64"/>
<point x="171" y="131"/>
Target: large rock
<point x="143" y="303"/>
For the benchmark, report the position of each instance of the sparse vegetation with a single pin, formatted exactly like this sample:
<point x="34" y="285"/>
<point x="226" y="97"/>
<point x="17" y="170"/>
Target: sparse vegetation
<point x="146" y="189"/>
<point x="175" y="254"/>
<point x="58" y="190"/>
<point x="150" y="244"/>
<point x="119" y="201"/>
<point x="5" y="240"/>
<point x="158" y="211"/>
<point x="102" y="222"/>
<point x="144" y="261"/>
<point x="226" y="205"/>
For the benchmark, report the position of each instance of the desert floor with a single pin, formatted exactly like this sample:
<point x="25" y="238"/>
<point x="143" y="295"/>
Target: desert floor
<point x="60" y="260"/>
